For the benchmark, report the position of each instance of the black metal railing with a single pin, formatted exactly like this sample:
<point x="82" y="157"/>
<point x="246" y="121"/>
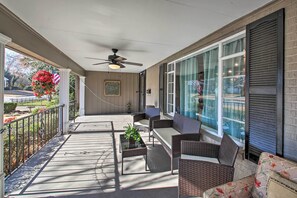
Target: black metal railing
<point x="72" y="110"/>
<point x="25" y="136"/>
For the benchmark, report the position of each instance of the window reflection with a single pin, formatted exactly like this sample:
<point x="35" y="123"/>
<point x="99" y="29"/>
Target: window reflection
<point x="233" y="97"/>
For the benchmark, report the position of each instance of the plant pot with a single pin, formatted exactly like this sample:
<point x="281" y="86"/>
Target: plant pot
<point x="131" y="141"/>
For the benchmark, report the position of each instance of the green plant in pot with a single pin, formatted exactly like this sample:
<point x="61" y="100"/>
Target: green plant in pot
<point x="132" y="134"/>
<point x="129" y="107"/>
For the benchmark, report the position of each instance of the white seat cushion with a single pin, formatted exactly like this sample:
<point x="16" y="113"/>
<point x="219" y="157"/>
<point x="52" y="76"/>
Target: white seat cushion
<point x="165" y="135"/>
<point x="142" y="123"/>
<point x="199" y="158"/>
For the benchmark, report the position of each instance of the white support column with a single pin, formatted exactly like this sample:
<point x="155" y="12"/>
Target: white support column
<point x="64" y="97"/>
<point x="3" y="41"/>
<point x="82" y="95"/>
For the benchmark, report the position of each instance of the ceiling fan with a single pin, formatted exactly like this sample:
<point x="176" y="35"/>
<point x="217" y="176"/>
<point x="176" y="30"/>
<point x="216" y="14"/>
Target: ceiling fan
<point x="115" y="61"/>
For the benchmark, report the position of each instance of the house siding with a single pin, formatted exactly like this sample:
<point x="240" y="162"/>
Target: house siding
<point x="290" y="95"/>
<point x="152" y="82"/>
<point x="96" y="103"/>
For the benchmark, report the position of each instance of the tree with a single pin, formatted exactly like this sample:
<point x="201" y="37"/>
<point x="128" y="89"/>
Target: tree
<point x="11" y="70"/>
<point x="36" y="65"/>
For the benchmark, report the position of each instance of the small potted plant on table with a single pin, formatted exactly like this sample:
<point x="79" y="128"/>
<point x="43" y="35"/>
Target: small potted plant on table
<point x="132" y="134"/>
<point x="129" y="107"/>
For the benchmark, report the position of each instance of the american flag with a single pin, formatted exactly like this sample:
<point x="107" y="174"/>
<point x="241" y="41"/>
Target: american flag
<point x="56" y="78"/>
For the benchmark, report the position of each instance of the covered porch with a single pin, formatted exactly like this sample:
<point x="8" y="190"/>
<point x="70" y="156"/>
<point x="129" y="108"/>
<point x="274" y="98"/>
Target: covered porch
<point x="202" y="71"/>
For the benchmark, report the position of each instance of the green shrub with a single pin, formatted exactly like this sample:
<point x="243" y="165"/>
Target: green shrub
<point x="28" y="88"/>
<point x="51" y="103"/>
<point x="35" y="110"/>
<point x="9" y="107"/>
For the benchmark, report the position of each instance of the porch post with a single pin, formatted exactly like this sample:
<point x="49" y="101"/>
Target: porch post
<point x="76" y="91"/>
<point x="82" y="95"/>
<point x="3" y="41"/>
<point x="64" y="97"/>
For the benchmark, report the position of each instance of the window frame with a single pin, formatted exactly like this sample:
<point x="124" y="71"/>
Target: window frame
<point x="172" y="72"/>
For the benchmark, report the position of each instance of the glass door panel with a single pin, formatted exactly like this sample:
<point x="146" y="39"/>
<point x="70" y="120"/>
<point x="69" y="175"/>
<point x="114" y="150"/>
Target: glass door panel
<point x="233" y="97"/>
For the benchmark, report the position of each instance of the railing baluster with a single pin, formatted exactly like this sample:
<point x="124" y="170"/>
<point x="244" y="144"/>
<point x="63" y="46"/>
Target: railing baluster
<point x="37" y="132"/>
<point x="52" y="123"/>
<point x="33" y="142"/>
<point x="17" y="143"/>
<point x="23" y="126"/>
<point x="44" y="127"/>
<point x="48" y="125"/>
<point x="9" y="148"/>
<point x="28" y="137"/>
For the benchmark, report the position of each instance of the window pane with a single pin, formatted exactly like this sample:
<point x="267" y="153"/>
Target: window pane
<point x="234" y="47"/>
<point x="170" y="108"/>
<point x="196" y="87"/>
<point x="170" y="98"/>
<point x="208" y="101"/>
<point x="234" y="67"/>
<point x="170" y="67"/>
<point x="171" y="77"/>
<point x="233" y="97"/>
<point x="186" y="80"/>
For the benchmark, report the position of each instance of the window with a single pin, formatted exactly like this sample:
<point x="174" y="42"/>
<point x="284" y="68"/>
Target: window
<point x="209" y="85"/>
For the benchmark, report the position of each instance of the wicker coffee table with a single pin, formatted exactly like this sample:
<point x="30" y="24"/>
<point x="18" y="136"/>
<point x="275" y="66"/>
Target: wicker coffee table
<point x="130" y="150"/>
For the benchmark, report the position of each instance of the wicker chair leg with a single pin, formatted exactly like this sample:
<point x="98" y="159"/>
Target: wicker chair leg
<point x="153" y="141"/>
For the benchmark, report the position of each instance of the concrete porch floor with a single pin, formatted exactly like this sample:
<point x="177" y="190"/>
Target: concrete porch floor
<point x="88" y="164"/>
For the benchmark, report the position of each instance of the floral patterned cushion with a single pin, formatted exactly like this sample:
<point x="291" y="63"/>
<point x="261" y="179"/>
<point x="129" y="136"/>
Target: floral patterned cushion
<point x="240" y="188"/>
<point x="269" y="162"/>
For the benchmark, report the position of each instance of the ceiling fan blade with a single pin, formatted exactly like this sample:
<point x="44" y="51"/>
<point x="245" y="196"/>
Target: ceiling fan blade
<point x="96" y="58"/>
<point x="120" y="58"/>
<point x="131" y="63"/>
<point x="121" y="65"/>
<point x="101" y="63"/>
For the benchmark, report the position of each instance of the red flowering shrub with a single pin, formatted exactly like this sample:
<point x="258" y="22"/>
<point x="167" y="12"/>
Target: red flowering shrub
<point x="42" y="83"/>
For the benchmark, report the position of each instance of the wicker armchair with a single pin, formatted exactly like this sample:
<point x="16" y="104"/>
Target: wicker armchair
<point x="145" y="120"/>
<point x="204" y="165"/>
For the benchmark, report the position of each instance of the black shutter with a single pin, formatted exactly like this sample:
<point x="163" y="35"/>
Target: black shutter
<point x="264" y="93"/>
<point x="142" y="90"/>
<point x="162" y="87"/>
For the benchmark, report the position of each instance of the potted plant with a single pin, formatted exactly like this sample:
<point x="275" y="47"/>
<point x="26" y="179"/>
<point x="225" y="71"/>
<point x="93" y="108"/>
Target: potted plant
<point x="129" y="107"/>
<point x="132" y="134"/>
<point x="43" y="84"/>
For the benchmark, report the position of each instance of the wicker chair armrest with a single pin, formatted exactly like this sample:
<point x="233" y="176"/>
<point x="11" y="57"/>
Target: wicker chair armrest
<point x="200" y="148"/>
<point x="151" y="120"/>
<point x="138" y="117"/>
<point x="240" y="188"/>
<point x="195" y="177"/>
<point x="177" y="139"/>
<point x="162" y="123"/>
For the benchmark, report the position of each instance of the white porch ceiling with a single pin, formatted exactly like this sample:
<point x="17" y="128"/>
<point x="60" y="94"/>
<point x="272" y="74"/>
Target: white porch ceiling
<point x="144" y="31"/>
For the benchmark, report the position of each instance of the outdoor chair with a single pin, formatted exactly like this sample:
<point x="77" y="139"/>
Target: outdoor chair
<point x="204" y="165"/>
<point x="145" y="120"/>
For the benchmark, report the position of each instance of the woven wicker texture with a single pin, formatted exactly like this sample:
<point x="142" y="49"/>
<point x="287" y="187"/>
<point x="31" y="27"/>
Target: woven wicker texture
<point x="195" y="176"/>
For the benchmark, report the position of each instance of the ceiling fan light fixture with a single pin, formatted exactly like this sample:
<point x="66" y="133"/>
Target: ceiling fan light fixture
<point x="114" y="66"/>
